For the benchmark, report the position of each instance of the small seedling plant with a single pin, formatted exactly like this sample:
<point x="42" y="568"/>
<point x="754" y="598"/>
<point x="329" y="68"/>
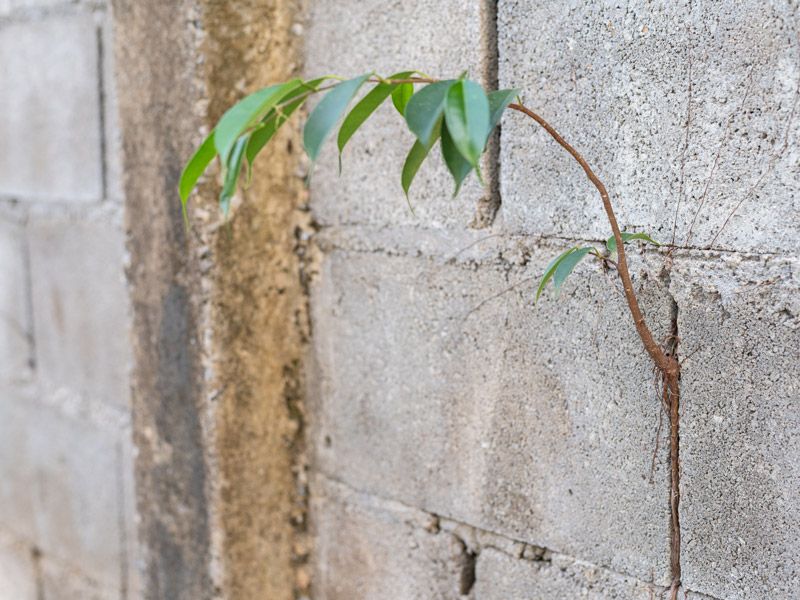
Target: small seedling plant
<point x="459" y="115"/>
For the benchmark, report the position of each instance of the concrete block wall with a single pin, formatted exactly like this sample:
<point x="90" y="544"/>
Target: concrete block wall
<point x="66" y="493"/>
<point x="442" y="400"/>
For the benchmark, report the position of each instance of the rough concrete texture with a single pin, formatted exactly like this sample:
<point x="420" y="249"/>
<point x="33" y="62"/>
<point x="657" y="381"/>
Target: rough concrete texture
<point x="466" y="401"/>
<point x="407" y="36"/>
<point x="499" y="576"/>
<point x="75" y="352"/>
<point x="741" y="436"/>
<point x="621" y="81"/>
<point x="50" y="150"/>
<point x="373" y="549"/>
<point x="258" y="318"/>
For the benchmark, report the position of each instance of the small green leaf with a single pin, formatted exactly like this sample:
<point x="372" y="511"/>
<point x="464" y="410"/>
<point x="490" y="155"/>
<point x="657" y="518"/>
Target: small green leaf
<point x="467" y="115"/>
<point x="567" y="264"/>
<point x="424" y="110"/>
<point x="458" y="166"/>
<point x="232" y="170"/>
<point x="498" y="102"/>
<point x="278" y="116"/>
<point x="401" y="95"/>
<point x="246" y="114"/>
<point x="611" y="243"/>
<point x="324" y="117"/>
<point x="195" y="168"/>
<point x="415" y="158"/>
<point x="560" y="267"/>
<point x="365" y="107"/>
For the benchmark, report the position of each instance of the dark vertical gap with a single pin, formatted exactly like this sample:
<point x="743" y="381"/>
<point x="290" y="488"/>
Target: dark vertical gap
<point x="101" y="95"/>
<point x="38" y="576"/>
<point x="28" y="274"/>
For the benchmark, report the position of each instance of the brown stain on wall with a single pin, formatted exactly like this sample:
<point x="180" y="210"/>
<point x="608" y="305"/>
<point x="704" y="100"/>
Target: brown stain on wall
<point x="219" y="471"/>
<point x="258" y="317"/>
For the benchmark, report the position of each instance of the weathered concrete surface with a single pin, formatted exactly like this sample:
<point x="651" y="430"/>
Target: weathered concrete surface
<point x="620" y="82"/>
<point x="220" y="311"/>
<point x="741" y="432"/>
<point x="441" y="388"/>
<point x="499" y="576"/>
<point x="50" y="150"/>
<point x="407" y="36"/>
<point x="373" y="549"/>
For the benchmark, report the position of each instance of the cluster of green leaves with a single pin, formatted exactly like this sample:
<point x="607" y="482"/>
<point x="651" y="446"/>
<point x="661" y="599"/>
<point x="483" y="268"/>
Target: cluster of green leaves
<point x="457" y="113"/>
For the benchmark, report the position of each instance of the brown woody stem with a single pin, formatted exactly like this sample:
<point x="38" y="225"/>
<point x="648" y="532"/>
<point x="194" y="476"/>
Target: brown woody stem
<point x="666" y="364"/>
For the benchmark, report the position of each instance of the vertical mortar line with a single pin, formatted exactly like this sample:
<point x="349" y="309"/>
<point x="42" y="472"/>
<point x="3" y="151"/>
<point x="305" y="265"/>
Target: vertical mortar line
<point x="28" y="275"/>
<point x="121" y="521"/>
<point x="101" y="96"/>
<point x="38" y="575"/>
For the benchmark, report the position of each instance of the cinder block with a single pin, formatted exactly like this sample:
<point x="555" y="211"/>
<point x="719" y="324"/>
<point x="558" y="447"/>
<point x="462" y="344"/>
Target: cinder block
<point x="50" y="132"/>
<point x="60" y="487"/>
<point x="618" y="82"/>
<point x="15" y="347"/>
<point x="372" y="549"/>
<point x="739" y="322"/>
<point x="442" y="386"/>
<point x="355" y="36"/>
<point x="502" y="577"/>
<point x="80" y="308"/>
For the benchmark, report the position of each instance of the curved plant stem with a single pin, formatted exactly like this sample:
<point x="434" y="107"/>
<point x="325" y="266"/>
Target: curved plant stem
<point x="666" y="364"/>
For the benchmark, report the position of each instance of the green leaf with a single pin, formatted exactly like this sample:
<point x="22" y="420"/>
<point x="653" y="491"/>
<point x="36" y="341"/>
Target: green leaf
<point x="567" y="264"/>
<point x="195" y="168"/>
<point x="498" y="102"/>
<point x="424" y="110"/>
<point x="232" y="170"/>
<point x="278" y="116"/>
<point x="246" y="114"/>
<point x="560" y="267"/>
<point x="611" y="243"/>
<point x="415" y="158"/>
<point x="368" y="105"/>
<point x="467" y="115"/>
<point x="458" y="166"/>
<point x="324" y="117"/>
<point x="401" y="95"/>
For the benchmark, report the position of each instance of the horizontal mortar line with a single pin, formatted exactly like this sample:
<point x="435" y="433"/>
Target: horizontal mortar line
<point x="335" y="480"/>
<point x="24" y="15"/>
<point x="376" y="246"/>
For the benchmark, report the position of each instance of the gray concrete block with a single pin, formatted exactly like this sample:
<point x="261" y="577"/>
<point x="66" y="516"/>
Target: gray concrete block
<point x="438" y="386"/>
<point x="80" y="308"/>
<point x="740" y="516"/>
<point x="557" y="577"/>
<point x="50" y="128"/>
<point x="15" y="332"/>
<point x="372" y="549"/>
<point x="615" y="81"/>
<point x="353" y="37"/>
<point x="60" y="487"/>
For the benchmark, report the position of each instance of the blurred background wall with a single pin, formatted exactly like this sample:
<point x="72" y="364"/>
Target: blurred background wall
<point x="66" y="478"/>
